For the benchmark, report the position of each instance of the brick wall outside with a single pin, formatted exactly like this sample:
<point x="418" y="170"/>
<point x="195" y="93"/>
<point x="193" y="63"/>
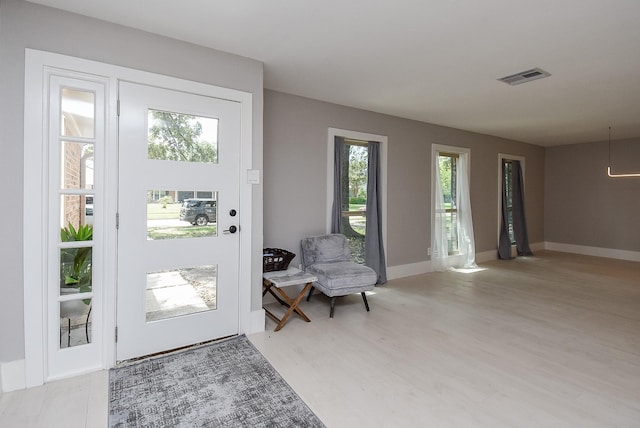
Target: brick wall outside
<point x="73" y="205"/>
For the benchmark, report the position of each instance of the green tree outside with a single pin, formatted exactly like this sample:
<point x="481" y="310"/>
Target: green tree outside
<point x="358" y="169"/>
<point x="178" y="137"/>
<point x="445" y="177"/>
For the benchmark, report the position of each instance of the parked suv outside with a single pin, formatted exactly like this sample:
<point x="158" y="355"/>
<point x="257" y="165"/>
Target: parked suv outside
<point x="198" y="211"/>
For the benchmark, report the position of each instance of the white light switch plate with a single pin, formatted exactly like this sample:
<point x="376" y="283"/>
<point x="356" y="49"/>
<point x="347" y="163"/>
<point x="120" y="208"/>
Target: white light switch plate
<point x="253" y="176"/>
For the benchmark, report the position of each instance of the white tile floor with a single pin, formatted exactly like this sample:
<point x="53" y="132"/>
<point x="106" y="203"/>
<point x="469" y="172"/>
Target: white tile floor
<point x="81" y="401"/>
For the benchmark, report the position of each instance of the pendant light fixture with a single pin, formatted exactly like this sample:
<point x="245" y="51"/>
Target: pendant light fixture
<point x="611" y="174"/>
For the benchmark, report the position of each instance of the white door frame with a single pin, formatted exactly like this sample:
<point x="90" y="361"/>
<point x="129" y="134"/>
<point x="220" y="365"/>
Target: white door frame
<point x="36" y="197"/>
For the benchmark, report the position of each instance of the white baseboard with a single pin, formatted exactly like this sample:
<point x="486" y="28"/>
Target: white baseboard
<point x="12" y="376"/>
<point x="257" y="322"/>
<point x="537" y="246"/>
<point x="401" y="271"/>
<point x="486" y="256"/>
<point x="611" y="253"/>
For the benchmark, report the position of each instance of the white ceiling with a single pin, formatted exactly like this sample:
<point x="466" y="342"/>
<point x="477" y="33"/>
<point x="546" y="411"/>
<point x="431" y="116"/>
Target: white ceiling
<point x="433" y="61"/>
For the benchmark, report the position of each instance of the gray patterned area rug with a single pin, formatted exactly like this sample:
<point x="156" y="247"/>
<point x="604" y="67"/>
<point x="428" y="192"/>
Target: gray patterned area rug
<point x="224" y="384"/>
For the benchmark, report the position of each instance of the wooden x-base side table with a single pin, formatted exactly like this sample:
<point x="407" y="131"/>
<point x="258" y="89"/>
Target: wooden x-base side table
<point x="275" y="281"/>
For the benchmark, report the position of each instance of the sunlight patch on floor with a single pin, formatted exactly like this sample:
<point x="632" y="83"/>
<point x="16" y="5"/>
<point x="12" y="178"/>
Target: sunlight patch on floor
<point x="469" y="270"/>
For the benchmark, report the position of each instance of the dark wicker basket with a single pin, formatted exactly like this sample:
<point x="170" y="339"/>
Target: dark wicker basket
<point x="276" y="259"/>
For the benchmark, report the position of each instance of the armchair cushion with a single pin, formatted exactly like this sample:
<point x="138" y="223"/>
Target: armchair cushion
<point x="342" y="278"/>
<point x="325" y="249"/>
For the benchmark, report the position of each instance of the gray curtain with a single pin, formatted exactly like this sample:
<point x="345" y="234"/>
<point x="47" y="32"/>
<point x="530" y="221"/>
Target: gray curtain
<point x="504" y="244"/>
<point x="373" y="246"/>
<point x="336" y="212"/>
<point x="519" y="221"/>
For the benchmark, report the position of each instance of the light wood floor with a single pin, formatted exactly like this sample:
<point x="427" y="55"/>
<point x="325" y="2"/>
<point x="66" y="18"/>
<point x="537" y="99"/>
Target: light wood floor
<point x="547" y="341"/>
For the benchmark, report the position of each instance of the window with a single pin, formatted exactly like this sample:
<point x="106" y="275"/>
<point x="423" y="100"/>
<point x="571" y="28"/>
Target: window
<point x="505" y="175"/>
<point x="72" y="146"/>
<point x="354" y="196"/>
<point x="452" y="239"/>
<point x="65" y="127"/>
<point x="182" y="137"/>
<point x="507" y="172"/>
<point x="192" y="218"/>
<point x="448" y="163"/>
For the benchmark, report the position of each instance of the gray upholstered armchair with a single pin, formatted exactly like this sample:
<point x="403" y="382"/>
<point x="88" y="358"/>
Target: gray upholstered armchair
<point x="328" y="258"/>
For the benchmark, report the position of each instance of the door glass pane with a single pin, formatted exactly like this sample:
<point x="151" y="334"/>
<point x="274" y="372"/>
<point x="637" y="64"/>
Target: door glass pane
<point x="76" y="274"/>
<point x="179" y="292"/>
<point x="170" y="215"/>
<point x="77" y="166"/>
<point x="182" y="137"/>
<point x="77" y="211"/>
<point x="78" y="113"/>
<point x="75" y="323"/>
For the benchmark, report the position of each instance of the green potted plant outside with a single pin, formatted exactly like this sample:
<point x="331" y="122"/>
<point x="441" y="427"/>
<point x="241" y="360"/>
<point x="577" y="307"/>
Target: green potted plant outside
<point x="75" y="263"/>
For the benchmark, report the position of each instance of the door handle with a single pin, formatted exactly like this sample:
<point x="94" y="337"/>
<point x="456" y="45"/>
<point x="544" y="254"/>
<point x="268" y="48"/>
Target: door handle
<point x="232" y="229"/>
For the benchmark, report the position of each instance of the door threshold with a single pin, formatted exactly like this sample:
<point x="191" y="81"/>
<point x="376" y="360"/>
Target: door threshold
<point x="171" y="351"/>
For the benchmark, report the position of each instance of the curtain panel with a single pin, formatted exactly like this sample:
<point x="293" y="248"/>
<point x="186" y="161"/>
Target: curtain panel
<point x="373" y="245"/>
<point x="466" y="240"/>
<point x="519" y="221"/>
<point x="336" y="211"/>
<point x="520" y="232"/>
<point x="504" y="242"/>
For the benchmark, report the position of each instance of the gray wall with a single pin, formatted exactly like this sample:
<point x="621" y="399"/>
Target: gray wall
<point x="295" y="159"/>
<point x="584" y="205"/>
<point x="26" y="25"/>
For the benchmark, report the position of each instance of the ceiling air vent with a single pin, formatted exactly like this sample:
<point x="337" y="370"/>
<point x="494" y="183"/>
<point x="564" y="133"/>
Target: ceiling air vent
<point x="525" y="76"/>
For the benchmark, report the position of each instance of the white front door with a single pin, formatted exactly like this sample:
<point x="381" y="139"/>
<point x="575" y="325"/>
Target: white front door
<point x="178" y="243"/>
